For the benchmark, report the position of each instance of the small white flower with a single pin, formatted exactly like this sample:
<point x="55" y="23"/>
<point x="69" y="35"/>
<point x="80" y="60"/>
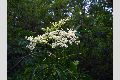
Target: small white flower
<point x="25" y="37"/>
<point x="58" y="58"/>
<point x="80" y="13"/>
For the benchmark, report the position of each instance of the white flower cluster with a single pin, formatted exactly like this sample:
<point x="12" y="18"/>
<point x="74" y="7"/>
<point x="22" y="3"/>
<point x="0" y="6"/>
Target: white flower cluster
<point x="59" y="38"/>
<point x="61" y="22"/>
<point x="56" y="25"/>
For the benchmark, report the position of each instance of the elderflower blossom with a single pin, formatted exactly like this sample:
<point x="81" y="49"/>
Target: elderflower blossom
<point x="59" y="38"/>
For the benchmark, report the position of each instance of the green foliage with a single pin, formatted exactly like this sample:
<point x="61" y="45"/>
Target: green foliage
<point x="94" y="53"/>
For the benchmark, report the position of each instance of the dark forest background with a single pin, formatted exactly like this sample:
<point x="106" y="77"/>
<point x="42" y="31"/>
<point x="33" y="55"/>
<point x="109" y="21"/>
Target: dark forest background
<point x="92" y="18"/>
